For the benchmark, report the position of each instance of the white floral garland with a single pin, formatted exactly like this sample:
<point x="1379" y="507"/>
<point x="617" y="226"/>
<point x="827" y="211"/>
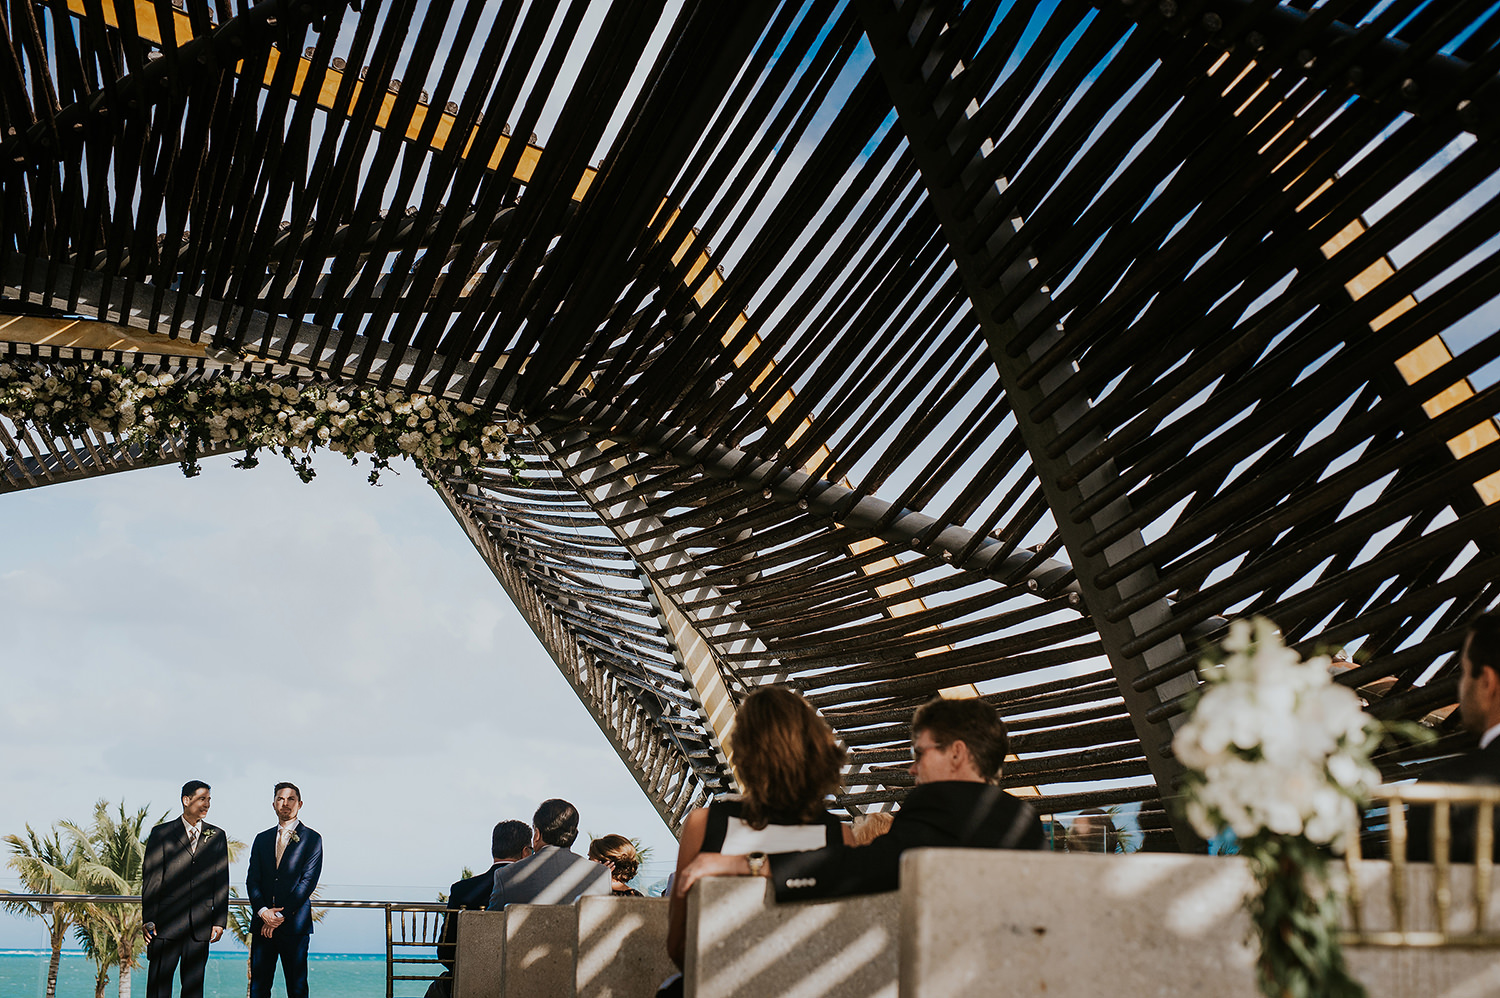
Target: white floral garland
<point x="153" y="409"/>
<point x="1275" y="745"/>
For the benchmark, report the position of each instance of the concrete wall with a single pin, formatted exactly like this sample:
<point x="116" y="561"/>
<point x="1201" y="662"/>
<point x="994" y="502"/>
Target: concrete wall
<point x="966" y="923"/>
<point x="741" y="944"/>
<point x="982" y="923"/>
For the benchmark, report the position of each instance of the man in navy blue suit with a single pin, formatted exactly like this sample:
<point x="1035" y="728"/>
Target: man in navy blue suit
<point x="285" y="863"/>
<point x="1479" y="712"/>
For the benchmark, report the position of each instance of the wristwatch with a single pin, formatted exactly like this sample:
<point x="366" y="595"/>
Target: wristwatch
<point x="757" y="863"/>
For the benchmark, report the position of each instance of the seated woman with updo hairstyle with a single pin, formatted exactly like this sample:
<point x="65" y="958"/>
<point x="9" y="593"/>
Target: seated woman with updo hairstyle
<point x="616" y="852"/>
<point x="787" y="763"/>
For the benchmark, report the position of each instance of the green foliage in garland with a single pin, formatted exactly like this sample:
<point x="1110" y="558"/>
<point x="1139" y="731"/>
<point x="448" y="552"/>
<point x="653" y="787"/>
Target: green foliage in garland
<point x="1296" y="917"/>
<point x="286" y="415"/>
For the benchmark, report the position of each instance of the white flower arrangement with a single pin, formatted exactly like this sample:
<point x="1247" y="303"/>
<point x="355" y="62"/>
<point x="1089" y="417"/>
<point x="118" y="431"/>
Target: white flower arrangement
<point x="1278" y="752"/>
<point x="285" y="414"/>
<point x="1274" y="745"/>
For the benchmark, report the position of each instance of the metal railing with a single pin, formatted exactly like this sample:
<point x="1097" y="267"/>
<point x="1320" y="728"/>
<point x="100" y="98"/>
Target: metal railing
<point x="1443" y="798"/>
<point x="409" y="925"/>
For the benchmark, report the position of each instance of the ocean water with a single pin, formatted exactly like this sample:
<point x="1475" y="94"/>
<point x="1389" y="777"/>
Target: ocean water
<point x="23" y="974"/>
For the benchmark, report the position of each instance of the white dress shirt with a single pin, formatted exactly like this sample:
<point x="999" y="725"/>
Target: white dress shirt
<point x="284" y="832"/>
<point x="194" y="832"/>
<point x="284" y="836"/>
<point x="1489" y="735"/>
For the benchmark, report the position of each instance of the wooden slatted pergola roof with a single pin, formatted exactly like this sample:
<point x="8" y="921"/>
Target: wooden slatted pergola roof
<point x="1003" y="348"/>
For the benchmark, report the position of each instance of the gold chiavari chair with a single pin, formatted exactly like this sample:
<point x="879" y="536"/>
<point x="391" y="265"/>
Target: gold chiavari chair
<point x="1440" y="922"/>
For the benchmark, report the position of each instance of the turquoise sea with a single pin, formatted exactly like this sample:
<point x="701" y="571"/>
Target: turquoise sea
<point x="23" y="974"/>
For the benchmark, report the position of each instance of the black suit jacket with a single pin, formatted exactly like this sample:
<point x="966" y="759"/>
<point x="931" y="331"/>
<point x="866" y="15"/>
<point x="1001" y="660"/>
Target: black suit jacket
<point x="185" y="894"/>
<point x="472" y="893"/>
<point x="950" y="815"/>
<point x="288" y="886"/>
<point x="1481" y="766"/>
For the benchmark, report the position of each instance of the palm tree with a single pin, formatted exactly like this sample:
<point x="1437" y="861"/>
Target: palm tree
<point x="113" y="857"/>
<point x="45" y="866"/>
<point x="98" y="946"/>
<point x="241" y="924"/>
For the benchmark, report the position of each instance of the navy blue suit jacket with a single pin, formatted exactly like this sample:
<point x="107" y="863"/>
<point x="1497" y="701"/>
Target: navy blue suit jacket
<point x="1481" y="766"/>
<point x="289" y="886"/>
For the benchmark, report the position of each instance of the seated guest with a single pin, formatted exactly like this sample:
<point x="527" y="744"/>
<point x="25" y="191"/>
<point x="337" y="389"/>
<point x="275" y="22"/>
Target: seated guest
<point x="553" y="873"/>
<point x="957" y="749"/>
<point x="616" y="852"/>
<point x="1479" y="710"/>
<point x="1092" y="831"/>
<point x="510" y="842"/>
<point x="787" y="762"/>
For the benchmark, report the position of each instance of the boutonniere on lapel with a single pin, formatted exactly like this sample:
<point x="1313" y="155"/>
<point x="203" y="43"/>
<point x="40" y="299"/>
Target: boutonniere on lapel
<point x="209" y="833"/>
<point x="295" y="837"/>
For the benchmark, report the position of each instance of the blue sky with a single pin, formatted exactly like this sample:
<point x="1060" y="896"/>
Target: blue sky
<point x="243" y="628"/>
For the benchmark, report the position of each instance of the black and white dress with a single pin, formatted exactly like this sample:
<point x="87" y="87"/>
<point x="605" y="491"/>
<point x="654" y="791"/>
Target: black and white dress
<point x="728" y="833"/>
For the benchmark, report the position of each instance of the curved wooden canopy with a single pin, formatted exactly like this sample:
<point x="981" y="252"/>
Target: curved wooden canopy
<point x="1003" y="348"/>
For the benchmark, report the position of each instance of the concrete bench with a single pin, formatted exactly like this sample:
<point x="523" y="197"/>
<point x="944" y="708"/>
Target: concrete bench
<point x="479" y="955"/>
<point x="527" y="949"/>
<point x="979" y="922"/>
<point x="600" y="947"/>
<point x="541" y="945"/>
<point x="742" y="944"/>
<point x="966" y="922"/>
<point x="622" y="947"/>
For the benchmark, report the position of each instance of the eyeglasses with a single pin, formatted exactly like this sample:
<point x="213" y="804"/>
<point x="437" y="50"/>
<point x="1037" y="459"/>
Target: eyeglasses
<point x="918" y="750"/>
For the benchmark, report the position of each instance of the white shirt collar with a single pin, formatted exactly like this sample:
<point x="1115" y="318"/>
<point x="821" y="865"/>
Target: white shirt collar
<point x="192" y="827"/>
<point x="284" y="828"/>
<point x="1490" y="734"/>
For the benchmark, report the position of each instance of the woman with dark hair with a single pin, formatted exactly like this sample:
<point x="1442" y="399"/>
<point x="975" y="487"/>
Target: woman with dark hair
<point x="617" y="853"/>
<point x="1092" y="831"/>
<point x="787" y="763"/>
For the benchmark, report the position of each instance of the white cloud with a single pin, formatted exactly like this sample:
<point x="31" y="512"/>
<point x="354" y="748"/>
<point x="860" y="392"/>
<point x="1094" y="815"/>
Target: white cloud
<point x="243" y="628"/>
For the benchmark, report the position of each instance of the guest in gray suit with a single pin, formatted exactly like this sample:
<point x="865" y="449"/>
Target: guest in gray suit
<point x="553" y="873"/>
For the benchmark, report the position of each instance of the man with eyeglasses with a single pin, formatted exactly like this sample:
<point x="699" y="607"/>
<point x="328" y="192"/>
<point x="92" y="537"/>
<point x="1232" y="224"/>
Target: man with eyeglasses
<point x="958" y="747"/>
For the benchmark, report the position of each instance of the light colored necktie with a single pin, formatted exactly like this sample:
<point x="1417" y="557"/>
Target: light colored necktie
<point x="193" y="841"/>
<point x="281" y="837"/>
